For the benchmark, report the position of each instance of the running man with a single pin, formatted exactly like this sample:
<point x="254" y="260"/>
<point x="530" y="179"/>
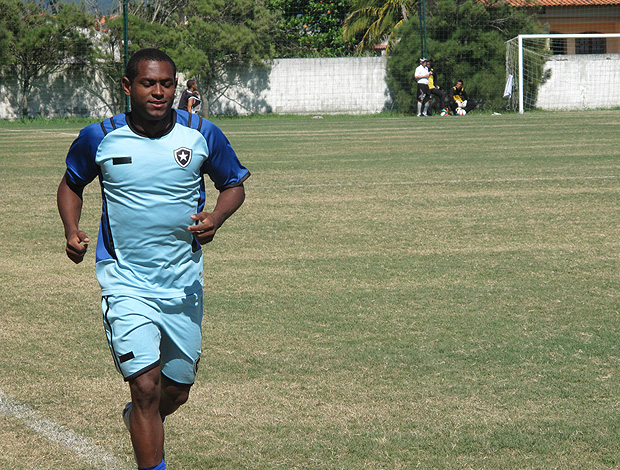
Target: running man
<point x="151" y="164"/>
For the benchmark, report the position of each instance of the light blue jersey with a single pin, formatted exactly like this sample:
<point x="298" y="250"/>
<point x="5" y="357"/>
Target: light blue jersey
<point x="150" y="188"/>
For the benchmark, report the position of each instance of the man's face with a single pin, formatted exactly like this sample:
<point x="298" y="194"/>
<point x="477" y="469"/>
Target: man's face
<point x="459" y="85"/>
<point x="152" y="90"/>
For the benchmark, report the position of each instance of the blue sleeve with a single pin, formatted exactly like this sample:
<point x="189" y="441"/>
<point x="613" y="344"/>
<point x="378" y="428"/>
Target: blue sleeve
<point x="81" y="166"/>
<point x="222" y="166"/>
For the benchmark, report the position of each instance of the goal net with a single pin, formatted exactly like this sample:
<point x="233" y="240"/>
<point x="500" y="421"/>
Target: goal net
<point x="563" y="72"/>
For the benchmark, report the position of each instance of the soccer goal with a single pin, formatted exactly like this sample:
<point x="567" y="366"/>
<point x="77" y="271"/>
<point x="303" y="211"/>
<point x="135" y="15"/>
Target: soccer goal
<point x="563" y="71"/>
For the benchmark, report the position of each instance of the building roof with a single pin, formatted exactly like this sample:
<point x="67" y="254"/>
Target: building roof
<point x="563" y="3"/>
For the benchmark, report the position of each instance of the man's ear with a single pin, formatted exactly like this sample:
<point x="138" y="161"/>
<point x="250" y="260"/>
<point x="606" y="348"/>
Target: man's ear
<point x="126" y="84"/>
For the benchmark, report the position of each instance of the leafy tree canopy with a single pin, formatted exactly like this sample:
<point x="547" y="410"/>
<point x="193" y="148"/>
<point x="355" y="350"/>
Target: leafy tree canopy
<point x="311" y="28"/>
<point x="373" y="21"/>
<point x="206" y="38"/>
<point x="215" y="36"/>
<point x="36" y="43"/>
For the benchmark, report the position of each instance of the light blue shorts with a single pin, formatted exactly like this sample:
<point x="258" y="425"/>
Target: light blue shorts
<point x="144" y="333"/>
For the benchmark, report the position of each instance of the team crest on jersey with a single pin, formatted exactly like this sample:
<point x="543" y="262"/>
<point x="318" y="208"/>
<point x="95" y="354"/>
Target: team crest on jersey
<point x="183" y="156"/>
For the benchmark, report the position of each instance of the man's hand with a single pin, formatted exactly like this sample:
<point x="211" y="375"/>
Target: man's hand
<point x="205" y="229"/>
<point x="77" y="244"/>
<point x="208" y="223"/>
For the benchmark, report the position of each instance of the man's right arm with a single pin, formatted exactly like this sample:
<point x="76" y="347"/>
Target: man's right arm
<point x="69" y="200"/>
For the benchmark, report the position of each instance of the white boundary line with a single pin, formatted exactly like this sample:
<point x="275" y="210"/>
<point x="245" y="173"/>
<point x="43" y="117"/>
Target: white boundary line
<point x="80" y="445"/>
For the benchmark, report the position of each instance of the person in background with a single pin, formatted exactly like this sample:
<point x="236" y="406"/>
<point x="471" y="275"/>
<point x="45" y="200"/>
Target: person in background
<point x="434" y="88"/>
<point x="458" y="99"/>
<point x="421" y="76"/>
<point x="190" y="98"/>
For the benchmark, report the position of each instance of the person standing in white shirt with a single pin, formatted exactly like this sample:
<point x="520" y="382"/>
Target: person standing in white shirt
<point x="424" y="95"/>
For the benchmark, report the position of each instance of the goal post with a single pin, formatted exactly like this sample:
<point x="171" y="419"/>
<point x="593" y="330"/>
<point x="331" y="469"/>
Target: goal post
<point x="542" y="72"/>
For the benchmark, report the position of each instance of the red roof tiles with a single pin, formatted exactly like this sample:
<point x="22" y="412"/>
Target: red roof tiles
<point x="563" y="3"/>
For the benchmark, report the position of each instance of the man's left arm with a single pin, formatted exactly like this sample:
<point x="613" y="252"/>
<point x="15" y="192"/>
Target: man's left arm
<point x="228" y="202"/>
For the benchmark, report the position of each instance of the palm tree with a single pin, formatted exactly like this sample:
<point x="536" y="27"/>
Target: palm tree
<point x="377" y="20"/>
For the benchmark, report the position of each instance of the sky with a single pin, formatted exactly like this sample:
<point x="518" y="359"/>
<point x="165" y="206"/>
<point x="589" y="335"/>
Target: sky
<point x="103" y="6"/>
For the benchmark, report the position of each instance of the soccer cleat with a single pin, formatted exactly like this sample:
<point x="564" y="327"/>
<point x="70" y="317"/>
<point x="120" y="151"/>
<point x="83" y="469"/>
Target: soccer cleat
<point x="126" y="413"/>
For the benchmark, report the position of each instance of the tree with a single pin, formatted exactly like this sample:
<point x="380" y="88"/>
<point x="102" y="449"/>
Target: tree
<point x="206" y="38"/>
<point x="466" y="40"/>
<point x="215" y="37"/>
<point x="374" y="21"/>
<point x="37" y="43"/>
<point x="163" y="12"/>
<point x="150" y="24"/>
<point x="311" y="28"/>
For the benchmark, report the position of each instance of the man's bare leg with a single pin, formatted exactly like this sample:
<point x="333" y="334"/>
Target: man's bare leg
<point x="147" y="429"/>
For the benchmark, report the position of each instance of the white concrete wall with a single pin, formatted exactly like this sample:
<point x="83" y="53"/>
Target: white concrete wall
<point x="57" y="95"/>
<point x="581" y="82"/>
<point x="353" y="85"/>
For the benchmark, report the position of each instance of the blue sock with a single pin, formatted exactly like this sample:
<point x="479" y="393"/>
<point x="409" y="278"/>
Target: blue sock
<point x="161" y="466"/>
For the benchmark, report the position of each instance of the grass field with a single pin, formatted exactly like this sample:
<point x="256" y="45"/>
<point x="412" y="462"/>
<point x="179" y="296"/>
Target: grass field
<point x="395" y="293"/>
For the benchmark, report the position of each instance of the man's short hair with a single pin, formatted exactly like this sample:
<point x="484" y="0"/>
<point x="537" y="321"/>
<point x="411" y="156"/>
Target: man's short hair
<point x="190" y="83"/>
<point x="154" y="55"/>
